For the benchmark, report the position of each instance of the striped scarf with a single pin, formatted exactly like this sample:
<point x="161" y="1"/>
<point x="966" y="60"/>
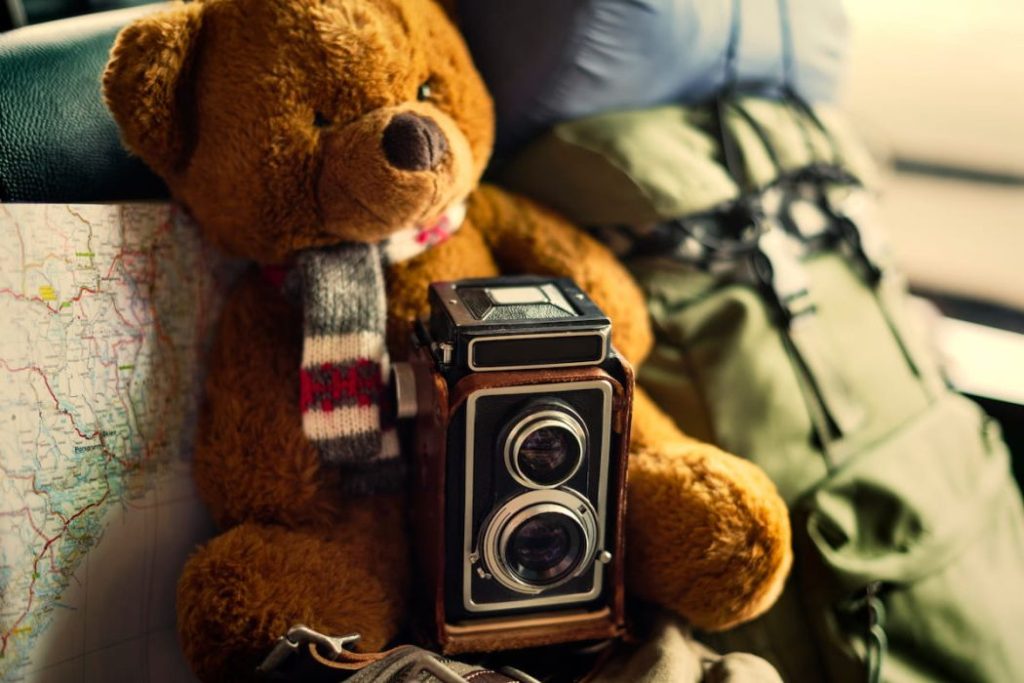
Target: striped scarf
<point x="345" y="367"/>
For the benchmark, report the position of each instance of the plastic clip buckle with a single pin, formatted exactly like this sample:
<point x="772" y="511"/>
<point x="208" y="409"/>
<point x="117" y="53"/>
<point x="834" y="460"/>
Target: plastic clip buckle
<point x="780" y="275"/>
<point x="853" y="238"/>
<point x="427" y="664"/>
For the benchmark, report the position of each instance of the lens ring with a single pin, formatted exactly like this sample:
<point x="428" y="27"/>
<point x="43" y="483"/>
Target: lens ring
<point x="531" y="426"/>
<point x="497" y="533"/>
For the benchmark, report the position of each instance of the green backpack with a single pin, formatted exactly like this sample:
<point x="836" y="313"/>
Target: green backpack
<point x="783" y="335"/>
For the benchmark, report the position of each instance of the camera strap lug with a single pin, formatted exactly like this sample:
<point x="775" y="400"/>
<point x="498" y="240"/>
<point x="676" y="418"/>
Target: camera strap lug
<point x="445" y="352"/>
<point x="403" y="379"/>
<point x="300" y="635"/>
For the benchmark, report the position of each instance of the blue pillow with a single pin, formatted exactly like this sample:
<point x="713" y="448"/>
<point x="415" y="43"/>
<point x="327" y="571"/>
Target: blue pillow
<point x="547" y="61"/>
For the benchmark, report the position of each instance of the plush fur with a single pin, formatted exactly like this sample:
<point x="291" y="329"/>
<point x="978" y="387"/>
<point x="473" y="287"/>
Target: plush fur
<point x="267" y="120"/>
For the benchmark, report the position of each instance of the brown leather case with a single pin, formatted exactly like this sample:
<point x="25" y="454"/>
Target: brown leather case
<point x="428" y="515"/>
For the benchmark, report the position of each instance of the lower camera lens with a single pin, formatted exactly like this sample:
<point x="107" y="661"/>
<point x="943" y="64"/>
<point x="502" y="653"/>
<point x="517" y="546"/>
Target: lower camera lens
<point x="539" y="540"/>
<point x="545" y="548"/>
<point x="545" y="448"/>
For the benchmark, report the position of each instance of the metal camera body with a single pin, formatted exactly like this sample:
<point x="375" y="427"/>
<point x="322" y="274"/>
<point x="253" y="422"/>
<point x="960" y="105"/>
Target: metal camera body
<point x="522" y="426"/>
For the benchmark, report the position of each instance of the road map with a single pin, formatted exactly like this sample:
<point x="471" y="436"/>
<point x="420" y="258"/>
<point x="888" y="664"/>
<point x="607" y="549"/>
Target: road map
<point x="105" y="311"/>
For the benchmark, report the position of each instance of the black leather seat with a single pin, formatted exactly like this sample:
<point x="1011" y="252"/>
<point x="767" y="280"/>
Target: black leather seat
<point x="58" y="143"/>
<point x="37" y="11"/>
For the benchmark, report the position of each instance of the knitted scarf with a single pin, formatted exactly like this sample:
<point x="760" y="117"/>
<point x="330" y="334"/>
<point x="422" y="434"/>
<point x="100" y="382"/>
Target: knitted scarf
<point x="345" y="367"/>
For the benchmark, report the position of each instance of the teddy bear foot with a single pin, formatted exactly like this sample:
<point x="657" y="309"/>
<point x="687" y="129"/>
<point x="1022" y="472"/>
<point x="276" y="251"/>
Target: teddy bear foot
<point x="709" y="537"/>
<point x="247" y="587"/>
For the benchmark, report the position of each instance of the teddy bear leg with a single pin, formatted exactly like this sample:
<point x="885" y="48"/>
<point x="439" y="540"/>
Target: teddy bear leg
<point x="245" y="588"/>
<point x="708" y="534"/>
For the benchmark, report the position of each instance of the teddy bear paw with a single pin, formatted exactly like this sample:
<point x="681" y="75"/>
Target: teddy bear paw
<point x="709" y="536"/>
<point x="247" y="587"/>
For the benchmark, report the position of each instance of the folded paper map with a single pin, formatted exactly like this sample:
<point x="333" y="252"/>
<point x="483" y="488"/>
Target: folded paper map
<point x="105" y="311"/>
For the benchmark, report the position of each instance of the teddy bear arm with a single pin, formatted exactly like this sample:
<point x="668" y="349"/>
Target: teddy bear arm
<point x="253" y="461"/>
<point x="526" y="238"/>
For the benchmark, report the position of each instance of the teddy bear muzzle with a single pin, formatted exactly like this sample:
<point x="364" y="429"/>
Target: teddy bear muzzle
<point x="413" y="142"/>
<point x="391" y="168"/>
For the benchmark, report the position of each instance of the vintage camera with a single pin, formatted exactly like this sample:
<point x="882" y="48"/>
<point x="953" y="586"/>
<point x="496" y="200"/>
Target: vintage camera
<point x="522" y="425"/>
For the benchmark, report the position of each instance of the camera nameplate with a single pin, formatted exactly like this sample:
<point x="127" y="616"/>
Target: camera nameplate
<point x="602" y="335"/>
<point x="470" y="539"/>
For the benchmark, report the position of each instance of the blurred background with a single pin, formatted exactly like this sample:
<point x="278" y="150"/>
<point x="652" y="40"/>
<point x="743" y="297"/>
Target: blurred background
<point x="936" y="87"/>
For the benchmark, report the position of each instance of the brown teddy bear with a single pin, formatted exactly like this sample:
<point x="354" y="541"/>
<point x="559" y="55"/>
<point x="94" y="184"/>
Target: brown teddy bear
<point x="288" y="128"/>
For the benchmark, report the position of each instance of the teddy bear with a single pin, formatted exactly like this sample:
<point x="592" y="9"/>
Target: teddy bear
<point x="339" y="146"/>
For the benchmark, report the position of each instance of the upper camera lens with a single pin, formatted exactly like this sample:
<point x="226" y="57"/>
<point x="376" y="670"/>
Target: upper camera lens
<point x="546" y="448"/>
<point x="545" y="548"/>
<point x="548" y="455"/>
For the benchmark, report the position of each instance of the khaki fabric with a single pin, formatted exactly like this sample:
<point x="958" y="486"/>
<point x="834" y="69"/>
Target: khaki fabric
<point x="908" y="526"/>
<point x="919" y="497"/>
<point x="670" y="654"/>
<point x="639" y="167"/>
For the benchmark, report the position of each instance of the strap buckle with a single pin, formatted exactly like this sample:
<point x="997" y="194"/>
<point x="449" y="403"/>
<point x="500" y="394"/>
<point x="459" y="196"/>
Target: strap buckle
<point x="424" y="662"/>
<point x="299" y="635"/>
<point x="779" y="273"/>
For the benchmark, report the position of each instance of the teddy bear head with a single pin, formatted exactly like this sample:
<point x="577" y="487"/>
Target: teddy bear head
<point x="302" y="123"/>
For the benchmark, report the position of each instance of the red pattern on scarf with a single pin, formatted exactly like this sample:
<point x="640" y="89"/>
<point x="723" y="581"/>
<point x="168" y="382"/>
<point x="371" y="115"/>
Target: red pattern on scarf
<point x="359" y="380"/>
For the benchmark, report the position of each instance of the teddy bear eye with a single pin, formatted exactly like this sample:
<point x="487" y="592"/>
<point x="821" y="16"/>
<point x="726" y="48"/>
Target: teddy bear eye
<point x="424" y="92"/>
<point x="320" y="120"/>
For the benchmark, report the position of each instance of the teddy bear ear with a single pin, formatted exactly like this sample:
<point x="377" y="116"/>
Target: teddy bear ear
<point x="143" y="85"/>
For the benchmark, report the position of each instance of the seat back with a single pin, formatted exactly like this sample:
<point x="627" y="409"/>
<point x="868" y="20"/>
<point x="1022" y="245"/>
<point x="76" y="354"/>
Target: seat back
<point x="58" y="142"/>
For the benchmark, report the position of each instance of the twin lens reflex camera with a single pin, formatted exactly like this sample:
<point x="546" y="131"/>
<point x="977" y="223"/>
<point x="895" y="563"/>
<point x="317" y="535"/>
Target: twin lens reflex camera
<point x="522" y="412"/>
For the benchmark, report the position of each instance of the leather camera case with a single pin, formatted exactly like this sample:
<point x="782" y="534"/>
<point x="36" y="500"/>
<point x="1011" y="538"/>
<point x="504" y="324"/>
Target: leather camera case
<point x="429" y="514"/>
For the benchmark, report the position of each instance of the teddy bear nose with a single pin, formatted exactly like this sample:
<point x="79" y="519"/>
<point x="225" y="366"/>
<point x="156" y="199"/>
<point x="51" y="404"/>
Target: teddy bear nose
<point x="413" y="143"/>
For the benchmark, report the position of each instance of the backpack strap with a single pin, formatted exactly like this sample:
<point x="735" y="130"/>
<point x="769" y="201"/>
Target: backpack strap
<point x="784" y="282"/>
<point x="776" y="268"/>
<point x="828" y="183"/>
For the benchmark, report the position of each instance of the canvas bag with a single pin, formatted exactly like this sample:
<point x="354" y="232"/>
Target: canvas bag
<point x="909" y="529"/>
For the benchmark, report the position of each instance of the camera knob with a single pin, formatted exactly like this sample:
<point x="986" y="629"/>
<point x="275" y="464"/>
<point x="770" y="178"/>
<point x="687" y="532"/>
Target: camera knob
<point x="604" y="557"/>
<point x="404" y="380"/>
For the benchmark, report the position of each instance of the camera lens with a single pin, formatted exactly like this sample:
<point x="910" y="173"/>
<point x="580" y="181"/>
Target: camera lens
<point x="539" y="540"/>
<point x="548" y="455"/>
<point x="545" y="448"/>
<point x="545" y="548"/>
